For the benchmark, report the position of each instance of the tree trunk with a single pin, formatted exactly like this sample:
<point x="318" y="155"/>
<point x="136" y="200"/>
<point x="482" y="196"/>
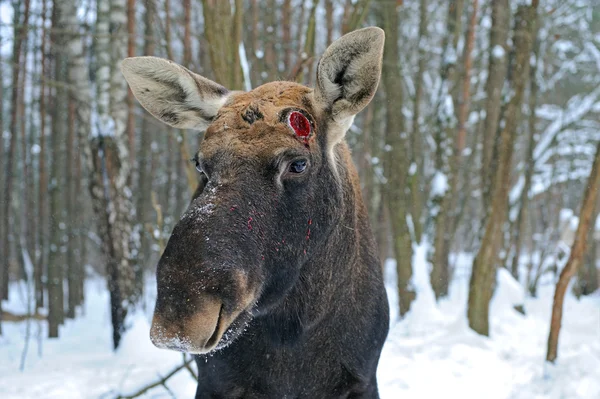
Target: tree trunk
<point x="42" y="239"/>
<point x="355" y="13"/>
<point x="286" y="27"/>
<point x="187" y="34"/>
<point x="56" y="223"/>
<point x="396" y="168"/>
<point x="417" y="155"/>
<point x="3" y="232"/>
<point x="108" y="163"/>
<point x="71" y="224"/>
<point x="484" y="265"/>
<point x="577" y="251"/>
<point x="493" y="88"/>
<point x="26" y="233"/>
<point x="144" y="158"/>
<point x="442" y="194"/>
<point x="222" y="32"/>
<point x="130" y="99"/>
<point x="20" y="35"/>
<point x="520" y="223"/>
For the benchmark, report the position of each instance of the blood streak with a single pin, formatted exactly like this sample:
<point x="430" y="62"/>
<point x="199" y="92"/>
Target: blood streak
<point x="308" y="230"/>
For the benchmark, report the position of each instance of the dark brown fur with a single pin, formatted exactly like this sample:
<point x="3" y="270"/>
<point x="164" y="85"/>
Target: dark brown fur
<point x="271" y="276"/>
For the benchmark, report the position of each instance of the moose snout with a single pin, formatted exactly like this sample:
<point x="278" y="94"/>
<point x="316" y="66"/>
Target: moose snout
<point x="198" y="332"/>
<point x="197" y="321"/>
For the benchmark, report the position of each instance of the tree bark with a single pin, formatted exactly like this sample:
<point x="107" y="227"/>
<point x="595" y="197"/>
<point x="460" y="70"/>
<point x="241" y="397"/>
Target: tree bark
<point x="577" y="251"/>
<point x="484" y="265"/>
<point x="493" y="88"/>
<point x="3" y="232"/>
<point x="71" y="224"/>
<point x="144" y="158"/>
<point x="222" y="31"/>
<point x="20" y="35"/>
<point x="130" y="100"/>
<point x="42" y="238"/>
<point x="287" y="34"/>
<point x="417" y="155"/>
<point x="355" y="13"/>
<point x="442" y="198"/>
<point x="108" y="164"/>
<point x="56" y="223"/>
<point x="187" y="33"/>
<point x="395" y="166"/>
<point x="529" y="164"/>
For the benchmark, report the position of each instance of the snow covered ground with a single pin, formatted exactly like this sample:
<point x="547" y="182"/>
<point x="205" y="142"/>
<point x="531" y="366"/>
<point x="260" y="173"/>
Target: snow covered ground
<point x="430" y="354"/>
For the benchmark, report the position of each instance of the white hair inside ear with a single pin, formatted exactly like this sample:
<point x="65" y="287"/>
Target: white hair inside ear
<point x="173" y="94"/>
<point x="347" y="78"/>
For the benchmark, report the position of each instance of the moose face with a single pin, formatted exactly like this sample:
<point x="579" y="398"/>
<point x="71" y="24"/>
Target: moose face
<point x="269" y="187"/>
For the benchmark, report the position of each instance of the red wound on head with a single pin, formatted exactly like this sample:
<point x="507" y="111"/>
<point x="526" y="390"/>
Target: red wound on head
<point x="300" y="124"/>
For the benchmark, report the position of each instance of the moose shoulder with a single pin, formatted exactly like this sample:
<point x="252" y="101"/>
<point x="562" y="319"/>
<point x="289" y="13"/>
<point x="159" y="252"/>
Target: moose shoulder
<point x="271" y="276"/>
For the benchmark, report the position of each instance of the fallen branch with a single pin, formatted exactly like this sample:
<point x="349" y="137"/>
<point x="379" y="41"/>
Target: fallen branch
<point x="161" y="382"/>
<point x="14" y="317"/>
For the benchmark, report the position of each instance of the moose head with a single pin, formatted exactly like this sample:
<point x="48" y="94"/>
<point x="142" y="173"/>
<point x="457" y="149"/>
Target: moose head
<point x="277" y="226"/>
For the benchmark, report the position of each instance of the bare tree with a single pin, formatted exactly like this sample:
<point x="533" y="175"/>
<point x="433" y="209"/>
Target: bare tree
<point x="42" y="238"/>
<point x="396" y="167"/>
<point x="444" y="180"/>
<point x="109" y="166"/>
<point x="498" y="55"/>
<point x="484" y="266"/>
<point x="575" y="257"/>
<point x="57" y="216"/>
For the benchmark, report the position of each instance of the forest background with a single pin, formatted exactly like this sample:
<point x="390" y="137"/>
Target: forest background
<point x="483" y="139"/>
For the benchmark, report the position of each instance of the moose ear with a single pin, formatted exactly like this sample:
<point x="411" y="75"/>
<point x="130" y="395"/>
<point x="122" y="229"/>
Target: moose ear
<point x="172" y="93"/>
<point x="348" y="75"/>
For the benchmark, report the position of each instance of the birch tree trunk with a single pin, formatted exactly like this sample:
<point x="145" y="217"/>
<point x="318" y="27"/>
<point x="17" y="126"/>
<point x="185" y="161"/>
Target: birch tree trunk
<point x="484" y="265"/>
<point x="107" y="159"/>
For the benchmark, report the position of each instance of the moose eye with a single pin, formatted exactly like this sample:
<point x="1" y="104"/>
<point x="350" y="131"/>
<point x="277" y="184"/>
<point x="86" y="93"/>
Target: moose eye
<point x="198" y="166"/>
<point x="298" y="166"/>
<point x="198" y="163"/>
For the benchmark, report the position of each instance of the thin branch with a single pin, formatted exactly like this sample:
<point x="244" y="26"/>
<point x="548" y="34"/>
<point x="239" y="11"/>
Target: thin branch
<point x="161" y="382"/>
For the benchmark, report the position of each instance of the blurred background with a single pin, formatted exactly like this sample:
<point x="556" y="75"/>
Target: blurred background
<point x="474" y="157"/>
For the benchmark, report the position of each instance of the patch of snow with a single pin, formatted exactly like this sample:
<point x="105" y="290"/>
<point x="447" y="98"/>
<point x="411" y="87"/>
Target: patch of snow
<point x="245" y="67"/>
<point x="412" y="169"/>
<point x="439" y="184"/>
<point x="498" y="51"/>
<point x="430" y="353"/>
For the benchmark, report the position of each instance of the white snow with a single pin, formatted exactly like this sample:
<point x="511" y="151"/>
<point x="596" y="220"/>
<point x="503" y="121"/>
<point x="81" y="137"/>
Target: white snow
<point x="498" y="51"/>
<point x="431" y="353"/>
<point x="439" y="184"/>
<point x="436" y="355"/>
<point x="245" y="67"/>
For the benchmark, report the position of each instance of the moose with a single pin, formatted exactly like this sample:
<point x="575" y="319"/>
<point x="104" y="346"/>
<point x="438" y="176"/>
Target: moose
<point x="271" y="277"/>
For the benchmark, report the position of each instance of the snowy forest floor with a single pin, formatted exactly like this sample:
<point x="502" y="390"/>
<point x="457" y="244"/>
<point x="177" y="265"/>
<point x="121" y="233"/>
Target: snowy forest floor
<point x="431" y="353"/>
